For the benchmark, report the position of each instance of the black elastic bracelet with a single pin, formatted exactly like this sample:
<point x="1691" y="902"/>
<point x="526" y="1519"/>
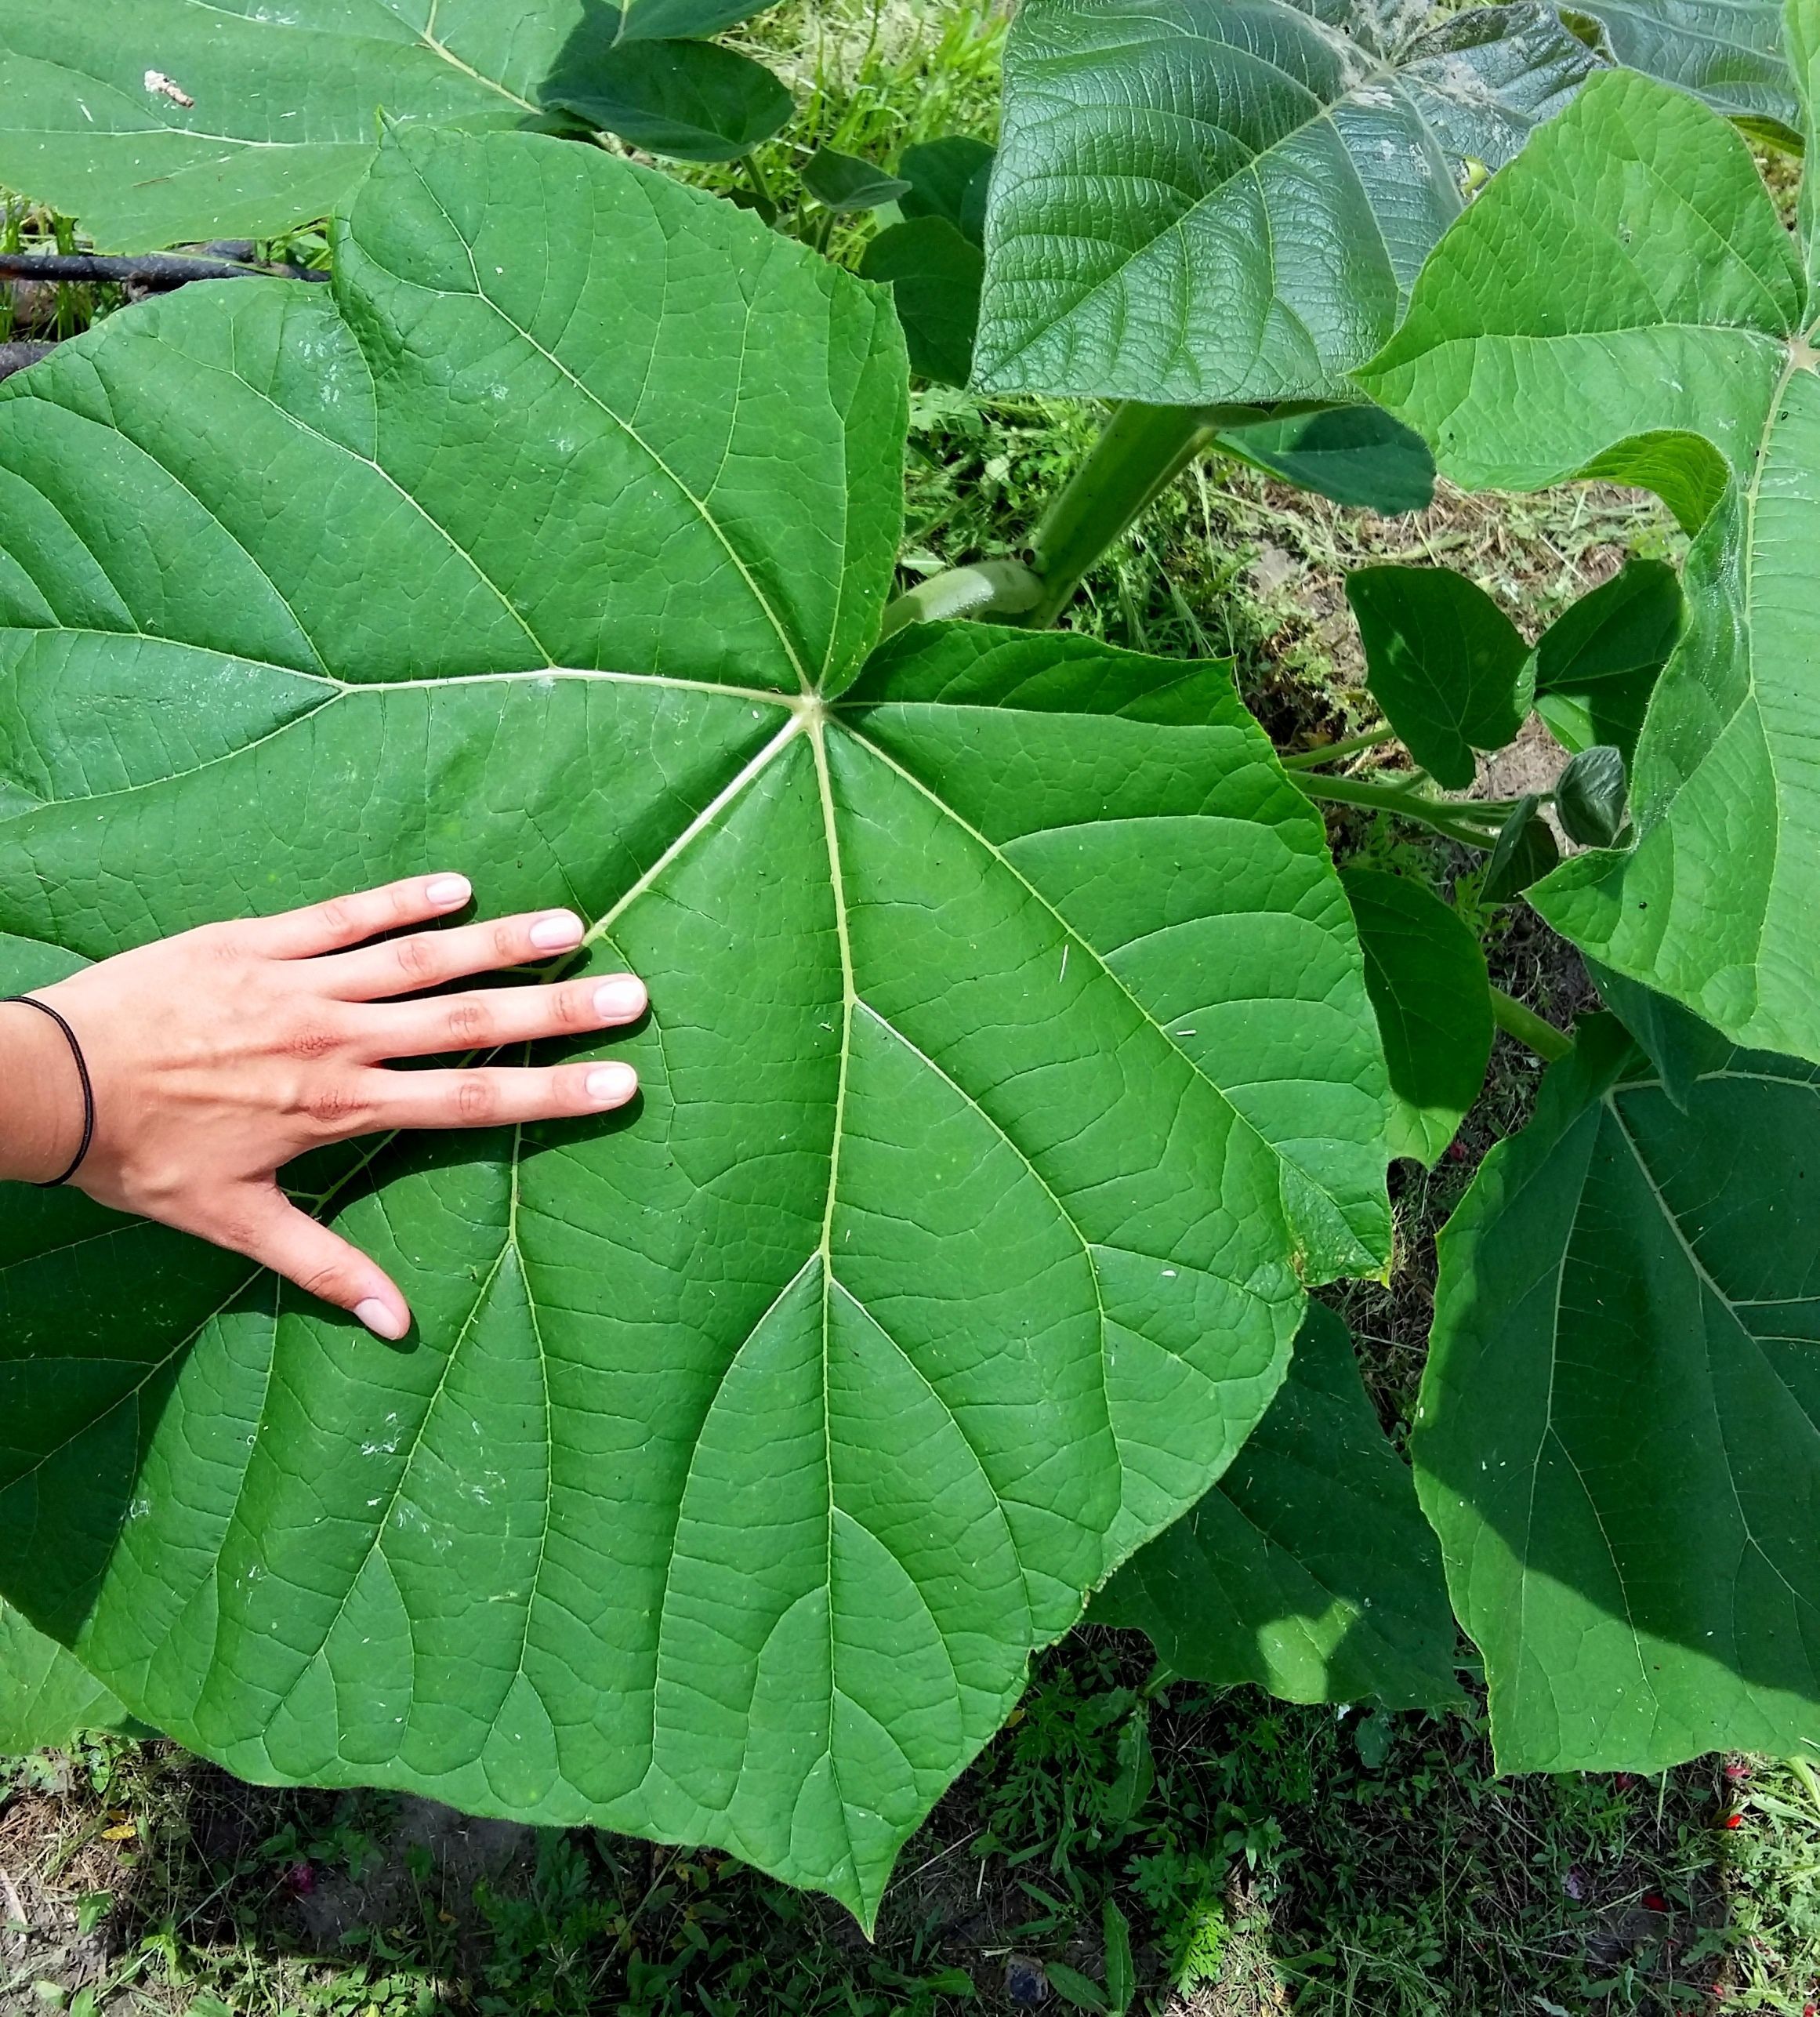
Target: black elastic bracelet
<point x="45" y="1008"/>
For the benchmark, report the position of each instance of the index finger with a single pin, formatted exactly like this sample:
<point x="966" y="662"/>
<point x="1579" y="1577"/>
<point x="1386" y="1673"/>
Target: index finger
<point x="352" y="920"/>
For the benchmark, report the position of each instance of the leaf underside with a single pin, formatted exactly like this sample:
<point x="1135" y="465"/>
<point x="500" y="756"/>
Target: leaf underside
<point x="1624" y="300"/>
<point x="1198" y="202"/>
<point x="1010" y="1065"/>
<point x="1618" y="1441"/>
<point x="1727" y="52"/>
<point x="1308" y="1569"/>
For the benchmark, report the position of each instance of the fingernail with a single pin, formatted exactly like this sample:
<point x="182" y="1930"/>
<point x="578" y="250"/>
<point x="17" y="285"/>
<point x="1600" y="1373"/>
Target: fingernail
<point x="612" y="1085"/>
<point x="449" y="892"/>
<point x="556" y="931"/>
<point x="619" y="1001"/>
<point x="381" y="1319"/>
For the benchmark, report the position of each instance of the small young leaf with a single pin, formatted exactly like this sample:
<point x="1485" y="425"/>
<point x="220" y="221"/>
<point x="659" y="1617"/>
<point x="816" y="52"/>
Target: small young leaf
<point x="1525" y="851"/>
<point x="1354" y="455"/>
<point x="1374" y="1735"/>
<point x="1076" y="1989"/>
<point x="1597" y="665"/>
<point x="845" y="182"/>
<point x="934" y="273"/>
<point x="1308" y="1568"/>
<point x="688" y="101"/>
<point x="1427" y="978"/>
<point x="1590" y="796"/>
<point x="949" y="178"/>
<point x="1447" y="665"/>
<point x="1121" y="1976"/>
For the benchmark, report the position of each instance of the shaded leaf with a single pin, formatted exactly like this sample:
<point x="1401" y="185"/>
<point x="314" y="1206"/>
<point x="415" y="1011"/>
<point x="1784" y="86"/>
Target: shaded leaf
<point x="1525" y="850"/>
<point x="1447" y="665"/>
<point x="1354" y="455"/>
<point x="48" y="1698"/>
<point x="1625" y="297"/>
<point x="949" y="178"/>
<point x="844" y="182"/>
<point x="1674" y="1039"/>
<point x="1590" y="796"/>
<point x="1196" y="202"/>
<point x="663" y="21"/>
<point x="1009" y="1064"/>
<point x="933" y="273"/>
<point x="1618" y="1441"/>
<point x="1727" y="52"/>
<point x="1307" y="1568"/>
<point x="688" y="101"/>
<point x="1429" y="992"/>
<point x="1597" y="665"/>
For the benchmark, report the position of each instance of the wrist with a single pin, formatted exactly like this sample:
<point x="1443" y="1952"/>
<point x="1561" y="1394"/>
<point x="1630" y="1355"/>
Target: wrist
<point x="40" y="1097"/>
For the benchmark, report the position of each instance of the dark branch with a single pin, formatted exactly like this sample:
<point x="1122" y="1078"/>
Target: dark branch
<point x="157" y="269"/>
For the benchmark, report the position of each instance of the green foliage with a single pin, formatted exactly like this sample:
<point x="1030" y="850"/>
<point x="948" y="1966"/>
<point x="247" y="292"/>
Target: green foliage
<point x="47" y="1696"/>
<point x="1354" y="455"/>
<point x="1445" y="664"/>
<point x="684" y="100"/>
<point x="1307" y="1567"/>
<point x="1427" y="978"/>
<point x="1625" y="300"/>
<point x="1194" y="203"/>
<point x="960" y="1234"/>
<point x="1617" y="1441"/>
<point x="1597" y="665"/>
<point x="844" y="182"/>
<point x="934" y="273"/>
<point x="1727" y="52"/>
<point x="1589" y="797"/>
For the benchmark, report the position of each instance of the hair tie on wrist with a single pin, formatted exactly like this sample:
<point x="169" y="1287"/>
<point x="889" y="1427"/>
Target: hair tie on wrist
<point x="45" y="1008"/>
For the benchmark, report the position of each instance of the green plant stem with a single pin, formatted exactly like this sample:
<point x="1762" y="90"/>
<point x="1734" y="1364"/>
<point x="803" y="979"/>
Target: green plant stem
<point x="1529" y="1029"/>
<point x="1331" y="752"/>
<point x="988" y="589"/>
<point x="761" y="187"/>
<point x="1474" y="822"/>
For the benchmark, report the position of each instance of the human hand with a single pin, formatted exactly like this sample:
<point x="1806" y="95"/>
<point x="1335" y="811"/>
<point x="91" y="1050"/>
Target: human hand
<point x="220" y="1055"/>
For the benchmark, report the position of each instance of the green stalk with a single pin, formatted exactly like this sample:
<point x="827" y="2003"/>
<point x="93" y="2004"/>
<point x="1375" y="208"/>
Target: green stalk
<point x="1474" y="822"/>
<point x="988" y="589"/>
<point x="1331" y="753"/>
<point x="761" y="188"/>
<point x="1549" y="1043"/>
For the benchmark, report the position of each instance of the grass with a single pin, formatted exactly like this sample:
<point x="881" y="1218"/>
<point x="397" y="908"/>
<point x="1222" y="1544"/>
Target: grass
<point x="1266" y="1858"/>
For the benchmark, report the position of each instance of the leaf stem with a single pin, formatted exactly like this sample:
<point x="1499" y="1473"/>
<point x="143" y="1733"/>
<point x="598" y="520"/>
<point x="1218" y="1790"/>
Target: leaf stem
<point x="761" y="188"/>
<point x="1549" y="1043"/>
<point x="1331" y="753"/>
<point x="988" y="588"/>
<point x="1472" y="822"/>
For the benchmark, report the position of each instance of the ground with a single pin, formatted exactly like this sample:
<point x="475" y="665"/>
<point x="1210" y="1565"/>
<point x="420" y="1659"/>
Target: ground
<point x="1265" y="1857"/>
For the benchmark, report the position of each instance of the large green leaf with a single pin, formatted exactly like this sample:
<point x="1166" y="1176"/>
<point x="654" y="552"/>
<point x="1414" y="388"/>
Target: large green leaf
<point x="1619" y="1440"/>
<point x="1726" y="52"/>
<point x="1009" y="1064"/>
<point x="286" y="99"/>
<point x="684" y="100"/>
<point x="1308" y="1568"/>
<point x="1354" y="455"/>
<point x="48" y="1698"/>
<point x="1624" y="299"/>
<point x="1199" y="200"/>
<point x="1432" y="997"/>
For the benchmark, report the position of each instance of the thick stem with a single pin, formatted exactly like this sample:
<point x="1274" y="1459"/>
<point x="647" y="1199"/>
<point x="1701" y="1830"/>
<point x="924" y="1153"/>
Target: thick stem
<point x="986" y="589"/>
<point x="1472" y="822"/>
<point x="1549" y="1043"/>
<point x="1331" y="752"/>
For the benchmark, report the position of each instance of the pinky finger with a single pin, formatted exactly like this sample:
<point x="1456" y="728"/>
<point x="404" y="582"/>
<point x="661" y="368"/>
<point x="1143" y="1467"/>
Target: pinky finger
<point x="500" y="1096"/>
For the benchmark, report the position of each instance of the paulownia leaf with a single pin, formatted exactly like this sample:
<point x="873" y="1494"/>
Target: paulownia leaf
<point x="1308" y="1569"/>
<point x="933" y="273"/>
<point x="845" y="182"/>
<point x="1590" y="796"/>
<point x="1678" y="1044"/>
<point x="1726" y="52"/>
<point x="48" y="1698"/>
<point x="685" y="100"/>
<point x="1009" y="1064"/>
<point x="1618" y="1441"/>
<point x="1447" y="665"/>
<point x="1354" y="455"/>
<point x="1596" y="665"/>
<point x="1198" y="202"/>
<point x="1625" y="297"/>
<point x="1525" y="851"/>
<point x="949" y="178"/>
<point x="1429" y="991"/>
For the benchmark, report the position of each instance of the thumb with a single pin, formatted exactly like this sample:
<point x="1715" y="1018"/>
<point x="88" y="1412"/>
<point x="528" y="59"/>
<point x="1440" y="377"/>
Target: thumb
<point x="274" y="1233"/>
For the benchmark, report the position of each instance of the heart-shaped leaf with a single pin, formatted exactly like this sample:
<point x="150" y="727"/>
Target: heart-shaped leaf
<point x="1426" y="977"/>
<point x="1618" y="1441"/>
<point x="1597" y="665"/>
<point x="1308" y="1569"/>
<point x="1009" y="1064"/>
<point x="1625" y="300"/>
<point x="1197" y="202"/>
<point x="949" y="178"/>
<point x="1590" y="796"/>
<point x="1447" y="665"/>
<point x="845" y="182"/>
<point x="687" y="101"/>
